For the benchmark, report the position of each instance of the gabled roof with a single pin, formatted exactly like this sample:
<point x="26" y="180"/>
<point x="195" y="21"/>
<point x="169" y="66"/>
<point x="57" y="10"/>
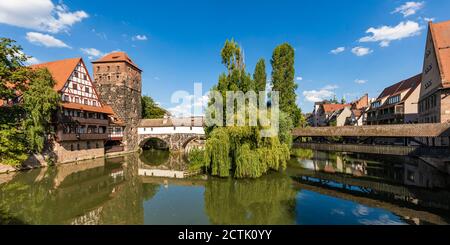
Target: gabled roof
<point x="116" y="57"/>
<point x="60" y="70"/>
<point x="441" y="38"/>
<point x="334" y="107"/>
<point x="410" y="83"/>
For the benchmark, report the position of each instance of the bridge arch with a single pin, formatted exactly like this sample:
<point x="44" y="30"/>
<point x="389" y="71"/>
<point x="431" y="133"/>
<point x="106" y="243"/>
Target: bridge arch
<point x="175" y="142"/>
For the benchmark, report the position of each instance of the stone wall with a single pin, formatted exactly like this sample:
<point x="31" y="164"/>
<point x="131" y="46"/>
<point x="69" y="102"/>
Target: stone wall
<point x="119" y="85"/>
<point x="68" y="151"/>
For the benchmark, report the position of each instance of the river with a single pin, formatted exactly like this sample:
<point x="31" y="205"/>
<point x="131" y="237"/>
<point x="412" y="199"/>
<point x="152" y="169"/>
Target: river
<point x="316" y="188"/>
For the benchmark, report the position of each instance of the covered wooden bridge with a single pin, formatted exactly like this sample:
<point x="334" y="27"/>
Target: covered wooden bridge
<point x="397" y="131"/>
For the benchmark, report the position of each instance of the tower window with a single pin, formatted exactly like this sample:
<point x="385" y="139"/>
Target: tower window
<point x="109" y="78"/>
<point x="107" y="68"/>
<point x="118" y="68"/>
<point x="98" y="68"/>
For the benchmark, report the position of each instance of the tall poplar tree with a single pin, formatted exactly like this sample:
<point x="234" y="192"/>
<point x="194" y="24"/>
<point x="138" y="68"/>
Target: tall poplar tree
<point x="260" y="76"/>
<point x="283" y="80"/>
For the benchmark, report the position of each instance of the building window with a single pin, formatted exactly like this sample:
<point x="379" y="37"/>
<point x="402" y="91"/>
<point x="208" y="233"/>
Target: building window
<point x="77" y="100"/>
<point x="109" y="78"/>
<point x="66" y="98"/>
<point x="376" y="104"/>
<point x="71" y="147"/>
<point x="98" y="68"/>
<point x="74" y="86"/>
<point x="107" y="68"/>
<point x="117" y="68"/>
<point x="86" y="89"/>
<point x="94" y="103"/>
<point x="75" y="74"/>
<point x="88" y="145"/>
<point x="393" y="100"/>
<point x="84" y="77"/>
<point x="85" y="101"/>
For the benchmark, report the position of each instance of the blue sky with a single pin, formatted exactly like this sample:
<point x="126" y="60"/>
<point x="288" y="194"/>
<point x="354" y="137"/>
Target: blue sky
<point x="177" y="43"/>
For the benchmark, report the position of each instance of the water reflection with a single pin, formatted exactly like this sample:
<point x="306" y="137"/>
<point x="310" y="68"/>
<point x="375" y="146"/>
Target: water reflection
<point x="113" y="192"/>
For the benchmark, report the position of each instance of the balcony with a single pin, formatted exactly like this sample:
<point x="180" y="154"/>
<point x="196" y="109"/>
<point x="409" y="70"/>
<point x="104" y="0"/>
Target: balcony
<point x="83" y="121"/>
<point x="87" y="136"/>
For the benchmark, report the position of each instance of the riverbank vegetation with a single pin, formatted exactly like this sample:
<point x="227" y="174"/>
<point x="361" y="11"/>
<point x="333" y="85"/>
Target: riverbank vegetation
<point x="242" y="151"/>
<point x="29" y="101"/>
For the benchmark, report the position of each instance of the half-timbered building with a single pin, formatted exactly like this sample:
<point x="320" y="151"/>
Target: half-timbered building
<point x="82" y="123"/>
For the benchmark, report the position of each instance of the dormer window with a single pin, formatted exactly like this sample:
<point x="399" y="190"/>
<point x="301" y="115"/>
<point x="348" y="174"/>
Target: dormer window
<point x="394" y="100"/>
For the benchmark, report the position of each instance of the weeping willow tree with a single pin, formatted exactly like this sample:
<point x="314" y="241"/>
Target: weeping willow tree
<point x="241" y="151"/>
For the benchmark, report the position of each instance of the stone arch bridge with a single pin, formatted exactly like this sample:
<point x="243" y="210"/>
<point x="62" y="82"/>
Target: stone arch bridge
<point x="180" y="134"/>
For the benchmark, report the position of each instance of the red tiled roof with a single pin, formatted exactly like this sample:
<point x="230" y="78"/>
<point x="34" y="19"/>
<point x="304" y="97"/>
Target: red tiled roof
<point x="115" y="57"/>
<point x="104" y="109"/>
<point x="334" y="107"/>
<point x="441" y="38"/>
<point x="60" y="70"/>
<point x="410" y="83"/>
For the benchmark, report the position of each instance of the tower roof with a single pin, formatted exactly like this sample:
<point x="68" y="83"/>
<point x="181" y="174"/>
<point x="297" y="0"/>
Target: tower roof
<point x="116" y="57"/>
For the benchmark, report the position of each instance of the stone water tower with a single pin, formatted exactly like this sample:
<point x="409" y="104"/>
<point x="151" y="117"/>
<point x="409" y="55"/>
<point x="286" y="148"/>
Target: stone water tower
<point x="119" y="83"/>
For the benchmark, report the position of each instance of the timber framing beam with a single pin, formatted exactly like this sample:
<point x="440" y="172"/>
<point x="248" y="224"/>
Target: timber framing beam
<point x="399" y="130"/>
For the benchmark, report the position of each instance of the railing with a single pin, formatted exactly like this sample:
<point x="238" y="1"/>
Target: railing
<point x="86" y="136"/>
<point x="82" y="120"/>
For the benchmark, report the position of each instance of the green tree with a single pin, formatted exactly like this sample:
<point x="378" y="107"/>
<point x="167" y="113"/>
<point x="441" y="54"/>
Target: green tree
<point x="283" y="73"/>
<point x="25" y="124"/>
<point x="260" y="76"/>
<point x="240" y="151"/>
<point x="13" y="74"/>
<point x="150" y="109"/>
<point x="40" y="101"/>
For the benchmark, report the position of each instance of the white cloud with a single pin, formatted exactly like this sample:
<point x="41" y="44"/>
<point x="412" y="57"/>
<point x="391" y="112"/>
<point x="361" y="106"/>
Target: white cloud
<point x="429" y="19"/>
<point x="299" y="78"/>
<point x="360" y="81"/>
<point x="190" y="105"/>
<point x="45" y="40"/>
<point x="41" y="15"/>
<point x="409" y="8"/>
<point x="361" y="51"/>
<point x="92" y="52"/>
<point x="32" y="61"/>
<point x="321" y="94"/>
<point x="338" y="50"/>
<point x="387" y="34"/>
<point x="140" y="38"/>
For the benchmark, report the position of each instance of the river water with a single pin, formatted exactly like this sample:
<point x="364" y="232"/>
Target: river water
<point x="317" y="188"/>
